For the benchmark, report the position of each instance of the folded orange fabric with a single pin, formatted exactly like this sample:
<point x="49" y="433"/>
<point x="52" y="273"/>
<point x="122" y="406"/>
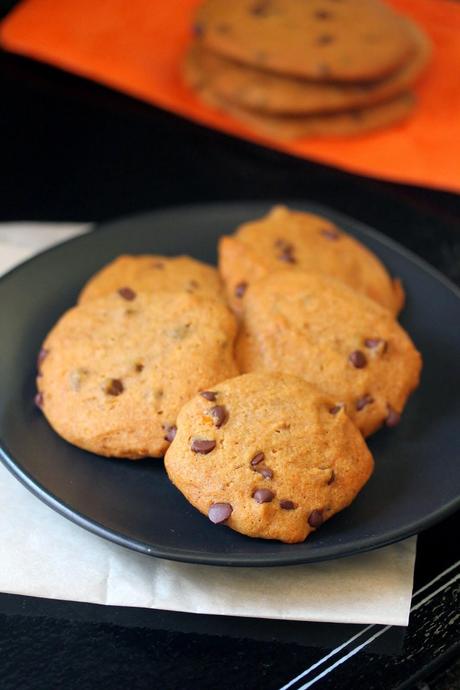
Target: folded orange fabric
<point x="136" y="46"/>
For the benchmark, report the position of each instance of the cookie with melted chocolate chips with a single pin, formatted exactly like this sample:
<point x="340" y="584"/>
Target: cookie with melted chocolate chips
<point x="115" y="371"/>
<point x="277" y="467"/>
<point x="313" y="326"/>
<point x="131" y="273"/>
<point x="285" y="238"/>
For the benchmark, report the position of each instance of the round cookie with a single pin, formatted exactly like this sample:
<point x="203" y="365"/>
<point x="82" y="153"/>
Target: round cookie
<point x="265" y="456"/>
<point x="151" y="272"/>
<point x="348" y="40"/>
<point x="255" y="89"/>
<point x="315" y="327"/>
<point x="114" y="372"/>
<point x="285" y="239"/>
<point x="342" y="124"/>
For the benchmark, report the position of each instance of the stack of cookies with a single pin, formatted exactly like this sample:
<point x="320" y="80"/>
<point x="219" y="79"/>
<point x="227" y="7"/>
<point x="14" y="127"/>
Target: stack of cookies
<point x="291" y="69"/>
<point x="257" y="383"/>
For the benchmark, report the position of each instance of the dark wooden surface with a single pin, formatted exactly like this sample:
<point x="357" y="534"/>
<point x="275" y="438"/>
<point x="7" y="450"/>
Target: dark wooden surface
<point x="72" y="150"/>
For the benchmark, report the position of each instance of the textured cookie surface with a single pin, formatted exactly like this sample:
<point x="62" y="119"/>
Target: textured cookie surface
<point x="293" y="239"/>
<point x="114" y="373"/>
<point x="319" y="39"/>
<point x="151" y="272"/>
<point x="347" y="345"/>
<point x="266" y="92"/>
<point x="264" y="455"/>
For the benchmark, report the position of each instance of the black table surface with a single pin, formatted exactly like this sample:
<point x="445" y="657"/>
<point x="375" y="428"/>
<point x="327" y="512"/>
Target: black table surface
<point x="73" y="150"/>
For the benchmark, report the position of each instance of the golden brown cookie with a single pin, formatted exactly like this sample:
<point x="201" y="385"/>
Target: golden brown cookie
<point x="262" y="454"/>
<point x="265" y="92"/>
<point x="343" y="40"/>
<point x="294" y="239"/>
<point x="114" y="372"/>
<point x="313" y="326"/>
<point x="341" y="124"/>
<point x="151" y="272"/>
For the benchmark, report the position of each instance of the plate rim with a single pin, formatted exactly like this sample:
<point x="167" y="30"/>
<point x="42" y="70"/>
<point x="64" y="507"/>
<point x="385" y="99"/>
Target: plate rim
<point x="366" y="544"/>
<point x="200" y="558"/>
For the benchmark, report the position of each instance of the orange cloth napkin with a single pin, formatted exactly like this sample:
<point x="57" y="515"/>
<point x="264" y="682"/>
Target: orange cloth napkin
<point x="136" y="46"/>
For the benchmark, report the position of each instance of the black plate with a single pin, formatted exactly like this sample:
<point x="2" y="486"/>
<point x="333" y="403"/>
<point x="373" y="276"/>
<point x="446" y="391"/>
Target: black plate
<point x="417" y="476"/>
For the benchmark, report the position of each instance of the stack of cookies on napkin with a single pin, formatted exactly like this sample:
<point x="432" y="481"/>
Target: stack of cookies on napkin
<point x="290" y="69"/>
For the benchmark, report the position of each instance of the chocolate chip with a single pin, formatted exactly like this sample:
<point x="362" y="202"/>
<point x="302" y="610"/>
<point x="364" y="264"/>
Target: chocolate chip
<point x="330" y="233"/>
<point x="325" y="40"/>
<point x="219" y="512"/>
<point x="287" y="252"/>
<point x="393" y="417"/>
<point x="331" y="478"/>
<point x="139" y="366"/>
<point x="158" y="264"/>
<point x="373" y="343"/>
<point x="263" y="495"/>
<point x="40" y="357"/>
<point x="170" y="432"/>
<point x="209" y="395"/>
<point x="286" y="504"/>
<point x="315" y="518"/>
<point x="258" y="457"/>
<point x="38" y="400"/>
<point x="358" y="359"/>
<point x="198" y="29"/>
<point x="266" y="472"/>
<point x="127" y="293"/>
<point x="261" y="8"/>
<point x="336" y="409"/>
<point x="223" y="28"/>
<point x="240" y="289"/>
<point x="322" y="14"/>
<point x="114" y="387"/>
<point x="362" y="402"/>
<point x="202" y="446"/>
<point x="219" y="413"/>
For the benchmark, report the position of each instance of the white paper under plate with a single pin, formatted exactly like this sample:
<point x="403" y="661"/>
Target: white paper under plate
<point x="42" y="554"/>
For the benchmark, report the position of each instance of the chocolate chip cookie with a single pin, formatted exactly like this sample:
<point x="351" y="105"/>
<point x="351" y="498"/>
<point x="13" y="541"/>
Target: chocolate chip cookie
<point x="151" y="272"/>
<point x="329" y="125"/>
<point x="343" y="40"/>
<point x="262" y="454"/>
<point x="316" y="327"/>
<point x="114" y="372"/>
<point x="305" y="241"/>
<point x="252" y="89"/>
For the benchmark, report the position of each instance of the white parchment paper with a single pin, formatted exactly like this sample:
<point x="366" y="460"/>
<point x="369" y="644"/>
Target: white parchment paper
<point x="43" y="554"/>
